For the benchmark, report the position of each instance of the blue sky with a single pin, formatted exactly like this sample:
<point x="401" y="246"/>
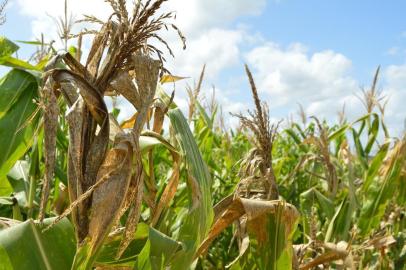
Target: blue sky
<point x="362" y="30"/>
<point x="317" y="53"/>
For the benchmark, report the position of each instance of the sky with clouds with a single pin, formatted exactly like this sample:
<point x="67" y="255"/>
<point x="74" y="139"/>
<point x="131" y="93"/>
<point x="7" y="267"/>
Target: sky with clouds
<point x="317" y="53"/>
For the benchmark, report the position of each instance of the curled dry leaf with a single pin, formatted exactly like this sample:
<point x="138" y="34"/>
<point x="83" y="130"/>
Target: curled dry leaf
<point x="334" y="252"/>
<point x="93" y="99"/>
<point x="171" y="79"/>
<point x="75" y="170"/>
<point x="115" y="128"/>
<point x="245" y="242"/>
<point x="222" y="206"/>
<point x="147" y="71"/>
<point x="233" y="212"/>
<point x="253" y="209"/>
<point x="129" y="123"/>
<point x="159" y="115"/>
<point x="96" y="51"/>
<point x="380" y="242"/>
<point x="134" y="214"/>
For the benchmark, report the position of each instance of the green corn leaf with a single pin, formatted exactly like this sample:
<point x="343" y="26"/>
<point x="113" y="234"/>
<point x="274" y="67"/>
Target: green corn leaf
<point x="12" y="86"/>
<point x="197" y="222"/>
<point x="158" y="251"/>
<point x="18" y="177"/>
<point x="379" y="194"/>
<point x="360" y="150"/>
<point x="313" y="195"/>
<point x="375" y="165"/>
<point x="108" y="252"/>
<point x="7" y="48"/>
<point x="26" y="247"/>
<point x="18" y="63"/>
<point x="338" y="133"/>
<point x="373" y="134"/>
<point x="17" y="129"/>
<point x="208" y="121"/>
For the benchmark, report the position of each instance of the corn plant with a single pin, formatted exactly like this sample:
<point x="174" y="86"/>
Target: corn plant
<point x="79" y="190"/>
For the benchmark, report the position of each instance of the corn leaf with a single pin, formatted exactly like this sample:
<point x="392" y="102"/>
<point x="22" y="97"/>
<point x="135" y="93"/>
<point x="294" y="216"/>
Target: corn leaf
<point x="16" y="126"/>
<point x="379" y="194"/>
<point x="7" y="48"/>
<point x="171" y="79"/>
<point x="26" y="247"/>
<point x="196" y="224"/>
<point x="313" y="195"/>
<point x="107" y="255"/>
<point x="158" y="251"/>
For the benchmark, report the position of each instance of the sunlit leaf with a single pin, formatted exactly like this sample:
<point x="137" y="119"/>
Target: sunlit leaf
<point x="171" y="79"/>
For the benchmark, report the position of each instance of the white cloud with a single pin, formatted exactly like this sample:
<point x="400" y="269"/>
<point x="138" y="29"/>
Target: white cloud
<point x="319" y="81"/>
<point x="395" y="89"/>
<point x="218" y="48"/>
<point x="42" y="13"/>
<point x="194" y="16"/>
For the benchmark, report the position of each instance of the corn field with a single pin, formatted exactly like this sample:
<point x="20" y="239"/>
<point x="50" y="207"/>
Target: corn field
<point x="80" y="189"/>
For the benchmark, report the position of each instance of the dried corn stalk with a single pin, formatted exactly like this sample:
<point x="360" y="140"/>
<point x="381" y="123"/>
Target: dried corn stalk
<point x="120" y="61"/>
<point x="254" y="207"/>
<point x="51" y="112"/>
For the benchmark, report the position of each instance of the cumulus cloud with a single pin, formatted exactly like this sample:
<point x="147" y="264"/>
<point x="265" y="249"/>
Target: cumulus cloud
<point x="44" y="12"/>
<point x="219" y="48"/>
<point x="395" y="89"/>
<point x="320" y="81"/>
<point x="195" y="16"/>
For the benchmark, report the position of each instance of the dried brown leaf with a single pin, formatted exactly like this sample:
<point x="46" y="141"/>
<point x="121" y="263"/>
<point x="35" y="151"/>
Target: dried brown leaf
<point x="96" y="51"/>
<point x="75" y="121"/>
<point x="253" y="209"/>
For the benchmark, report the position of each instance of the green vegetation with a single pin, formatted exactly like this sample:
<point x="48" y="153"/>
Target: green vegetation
<point x="78" y="190"/>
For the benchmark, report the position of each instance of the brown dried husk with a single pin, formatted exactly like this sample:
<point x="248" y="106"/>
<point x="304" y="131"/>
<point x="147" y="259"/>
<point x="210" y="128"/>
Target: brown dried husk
<point x="108" y="198"/>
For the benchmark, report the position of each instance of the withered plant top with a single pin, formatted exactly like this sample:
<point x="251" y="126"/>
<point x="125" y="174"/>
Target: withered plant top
<point x="264" y="134"/>
<point x="125" y="34"/>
